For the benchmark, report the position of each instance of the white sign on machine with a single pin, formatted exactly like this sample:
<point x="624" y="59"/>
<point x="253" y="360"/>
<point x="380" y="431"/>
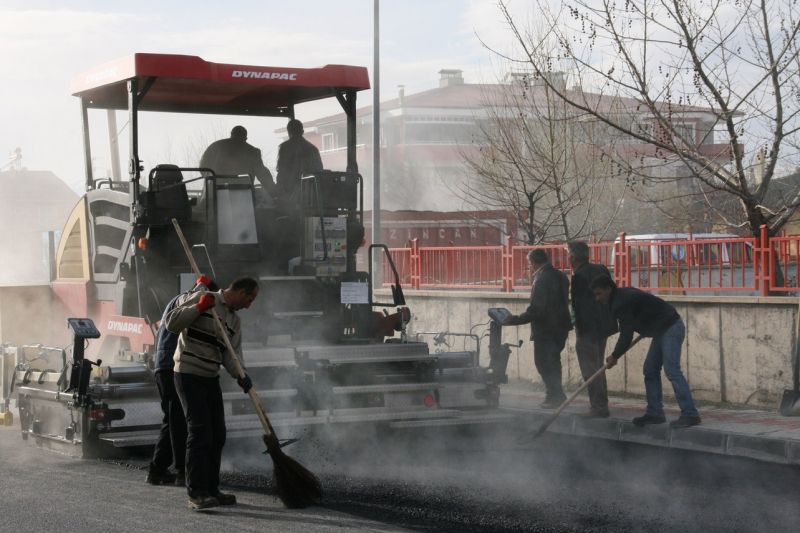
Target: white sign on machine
<point x="354" y="292"/>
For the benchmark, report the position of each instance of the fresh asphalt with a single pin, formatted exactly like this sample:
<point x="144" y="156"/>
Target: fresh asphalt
<point x="456" y="482"/>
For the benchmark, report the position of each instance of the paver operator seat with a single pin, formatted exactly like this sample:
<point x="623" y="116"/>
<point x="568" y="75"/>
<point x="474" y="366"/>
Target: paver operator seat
<point x="169" y="191"/>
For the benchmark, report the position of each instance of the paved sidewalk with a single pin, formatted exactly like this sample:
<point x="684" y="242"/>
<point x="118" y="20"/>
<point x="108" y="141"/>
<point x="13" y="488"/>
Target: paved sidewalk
<point x="756" y="434"/>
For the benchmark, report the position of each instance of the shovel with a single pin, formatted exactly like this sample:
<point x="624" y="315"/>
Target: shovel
<point x="790" y="403"/>
<point x="530" y="436"/>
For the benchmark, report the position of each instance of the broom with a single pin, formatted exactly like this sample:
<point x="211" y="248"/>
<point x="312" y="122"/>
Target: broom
<point x="297" y="487"/>
<point x="529" y="437"/>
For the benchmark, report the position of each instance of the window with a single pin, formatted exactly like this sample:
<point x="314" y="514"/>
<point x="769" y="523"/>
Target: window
<point x="440" y="132"/>
<point x="686" y="131"/>
<point x="645" y="129"/>
<point x="584" y="132"/>
<point x="328" y="142"/>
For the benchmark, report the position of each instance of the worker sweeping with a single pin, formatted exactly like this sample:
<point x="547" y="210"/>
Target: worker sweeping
<point x="650" y="316"/>
<point x="199" y="354"/>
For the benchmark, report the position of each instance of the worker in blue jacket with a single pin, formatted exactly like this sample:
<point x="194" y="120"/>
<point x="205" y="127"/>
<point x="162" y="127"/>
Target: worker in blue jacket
<point x="171" y="445"/>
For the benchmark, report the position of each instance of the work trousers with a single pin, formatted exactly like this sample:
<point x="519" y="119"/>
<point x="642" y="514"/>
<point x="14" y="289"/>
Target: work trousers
<point x="205" y="419"/>
<point x="665" y="351"/>
<point x="591" y="357"/>
<point x="171" y="445"/>
<point x="547" y="357"/>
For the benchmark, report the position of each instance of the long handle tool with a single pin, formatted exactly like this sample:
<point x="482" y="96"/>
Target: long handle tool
<point x="297" y="487"/>
<point x="529" y="437"/>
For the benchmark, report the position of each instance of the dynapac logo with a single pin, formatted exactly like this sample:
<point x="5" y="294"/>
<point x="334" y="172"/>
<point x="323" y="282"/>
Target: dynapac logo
<point x="255" y="74"/>
<point x="124" y="327"/>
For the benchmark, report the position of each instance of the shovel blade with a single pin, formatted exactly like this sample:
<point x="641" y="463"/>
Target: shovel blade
<point x="790" y="403"/>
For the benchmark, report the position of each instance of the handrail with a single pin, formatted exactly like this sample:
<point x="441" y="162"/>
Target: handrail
<point x="706" y="264"/>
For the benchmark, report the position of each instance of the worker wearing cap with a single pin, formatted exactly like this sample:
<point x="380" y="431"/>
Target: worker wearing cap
<point x="234" y="156"/>
<point x="638" y="311"/>
<point x="200" y="352"/>
<point x="171" y="444"/>
<point x="297" y="157"/>
<point x="548" y="315"/>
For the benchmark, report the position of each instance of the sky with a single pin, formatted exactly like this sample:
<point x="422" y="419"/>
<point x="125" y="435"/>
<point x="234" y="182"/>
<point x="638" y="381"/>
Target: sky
<point x="44" y="44"/>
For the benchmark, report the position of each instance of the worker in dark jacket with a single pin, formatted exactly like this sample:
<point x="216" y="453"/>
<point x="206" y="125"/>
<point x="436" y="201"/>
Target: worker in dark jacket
<point x="200" y="352"/>
<point x="296" y="158"/>
<point x="592" y="325"/>
<point x="548" y="315"/>
<point x="171" y="444"/>
<point x="650" y="316"/>
<point x="234" y="156"/>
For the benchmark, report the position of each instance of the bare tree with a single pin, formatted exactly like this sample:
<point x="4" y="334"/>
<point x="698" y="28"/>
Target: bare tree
<point x="533" y="155"/>
<point x="703" y="85"/>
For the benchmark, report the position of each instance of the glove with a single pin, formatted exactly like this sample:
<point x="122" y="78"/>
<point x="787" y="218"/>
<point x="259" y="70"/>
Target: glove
<point x="204" y="280"/>
<point x="245" y="383"/>
<point x="205" y="303"/>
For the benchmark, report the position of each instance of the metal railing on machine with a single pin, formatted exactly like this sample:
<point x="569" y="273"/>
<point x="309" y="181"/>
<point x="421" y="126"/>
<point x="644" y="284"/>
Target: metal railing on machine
<point x="703" y="264"/>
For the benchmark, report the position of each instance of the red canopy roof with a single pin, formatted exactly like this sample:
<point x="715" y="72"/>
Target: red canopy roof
<point x="190" y="84"/>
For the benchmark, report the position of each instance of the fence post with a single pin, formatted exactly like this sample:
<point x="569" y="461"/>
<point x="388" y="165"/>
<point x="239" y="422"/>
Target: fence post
<point x="507" y="265"/>
<point x="416" y="264"/>
<point x="765" y="263"/>
<point x="622" y="267"/>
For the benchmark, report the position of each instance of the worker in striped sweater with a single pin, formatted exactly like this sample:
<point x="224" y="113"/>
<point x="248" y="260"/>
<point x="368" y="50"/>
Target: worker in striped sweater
<point x="200" y="352"/>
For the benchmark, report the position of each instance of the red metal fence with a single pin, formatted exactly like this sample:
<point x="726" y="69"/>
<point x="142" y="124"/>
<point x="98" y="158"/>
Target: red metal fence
<point x="703" y="264"/>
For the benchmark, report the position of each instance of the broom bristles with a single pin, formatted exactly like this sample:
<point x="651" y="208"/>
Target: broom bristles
<point x="296" y="485"/>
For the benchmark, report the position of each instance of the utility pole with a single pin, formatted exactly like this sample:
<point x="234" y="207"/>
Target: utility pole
<point x="376" y="146"/>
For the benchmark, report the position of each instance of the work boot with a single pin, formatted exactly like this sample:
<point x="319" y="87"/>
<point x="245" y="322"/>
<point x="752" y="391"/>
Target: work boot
<point x="225" y="499"/>
<point x="165" y="477"/>
<point x="553" y="403"/>
<point x="205" y="501"/>
<point x="684" y="422"/>
<point x="595" y="412"/>
<point x="648" y="419"/>
<point x="180" y="478"/>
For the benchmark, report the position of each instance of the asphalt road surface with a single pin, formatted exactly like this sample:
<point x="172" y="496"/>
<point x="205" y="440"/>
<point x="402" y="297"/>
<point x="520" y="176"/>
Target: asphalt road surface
<point x="469" y="482"/>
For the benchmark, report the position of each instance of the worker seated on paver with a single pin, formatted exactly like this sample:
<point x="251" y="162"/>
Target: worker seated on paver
<point x="296" y="158"/>
<point x="234" y="156"/>
<point x="648" y="315"/>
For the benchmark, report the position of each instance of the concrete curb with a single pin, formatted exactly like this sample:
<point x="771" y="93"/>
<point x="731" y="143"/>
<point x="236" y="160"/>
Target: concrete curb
<point x="720" y="432"/>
